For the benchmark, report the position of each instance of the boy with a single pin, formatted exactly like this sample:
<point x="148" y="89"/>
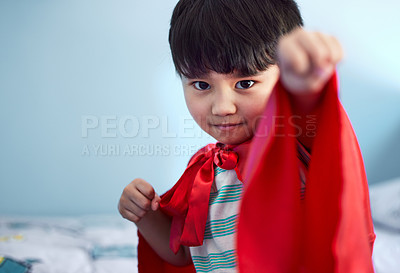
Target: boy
<point x="243" y="63"/>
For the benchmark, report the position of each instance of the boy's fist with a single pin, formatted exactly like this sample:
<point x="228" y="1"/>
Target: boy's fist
<point x="307" y="60"/>
<point x="137" y="199"/>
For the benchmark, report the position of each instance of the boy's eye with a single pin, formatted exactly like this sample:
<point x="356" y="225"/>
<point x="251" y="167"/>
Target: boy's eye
<point x="244" y="84"/>
<point x="201" y="85"/>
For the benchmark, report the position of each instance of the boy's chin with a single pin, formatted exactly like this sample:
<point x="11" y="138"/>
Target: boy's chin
<point x="231" y="140"/>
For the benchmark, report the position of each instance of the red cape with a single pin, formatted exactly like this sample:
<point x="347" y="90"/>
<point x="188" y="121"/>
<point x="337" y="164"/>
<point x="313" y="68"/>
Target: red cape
<point x="330" y="230"/>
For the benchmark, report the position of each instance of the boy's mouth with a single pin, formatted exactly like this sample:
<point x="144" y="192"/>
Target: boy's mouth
<point x="227" y="126"/>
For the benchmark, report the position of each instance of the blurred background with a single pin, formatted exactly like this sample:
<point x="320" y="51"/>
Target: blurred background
<point x="89" y="99"/>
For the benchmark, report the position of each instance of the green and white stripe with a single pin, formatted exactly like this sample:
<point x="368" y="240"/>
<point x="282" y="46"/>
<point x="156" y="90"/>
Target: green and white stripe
<point x="228" y="193"/>
<point x="214" y="261"/>
<point x="218" y="254"/>
<point x="221" y="227"/>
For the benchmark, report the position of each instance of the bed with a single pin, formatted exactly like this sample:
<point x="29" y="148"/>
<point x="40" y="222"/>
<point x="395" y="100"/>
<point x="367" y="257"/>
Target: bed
<point x="87" y="244"/>
<point x="108" y="243"/>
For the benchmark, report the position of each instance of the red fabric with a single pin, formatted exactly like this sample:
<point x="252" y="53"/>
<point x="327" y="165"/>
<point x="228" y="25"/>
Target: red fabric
<point x="331" y="229"/>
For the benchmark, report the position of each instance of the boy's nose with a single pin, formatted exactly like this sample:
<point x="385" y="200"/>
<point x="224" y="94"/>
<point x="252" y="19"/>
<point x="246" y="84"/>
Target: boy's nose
<point x="224" y="103"/>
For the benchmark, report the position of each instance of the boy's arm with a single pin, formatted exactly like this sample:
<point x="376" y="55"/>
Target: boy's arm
<point x="155" y="227"/>
<point x="307" y="60"/>
<point x="140" y="204"/>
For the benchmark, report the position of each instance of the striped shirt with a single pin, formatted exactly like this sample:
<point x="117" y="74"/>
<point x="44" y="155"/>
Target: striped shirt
<point x="218" y="253"/>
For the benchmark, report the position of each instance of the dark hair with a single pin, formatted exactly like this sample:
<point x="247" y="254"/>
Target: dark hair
<point x="229" y="35"/>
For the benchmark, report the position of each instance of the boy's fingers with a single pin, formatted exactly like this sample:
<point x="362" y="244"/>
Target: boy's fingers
<point x="292" y="56"/>
<point x="130" y="216"/>
<point x="315" y="47"/>
<point x="134" y="202"/>
<point x="137" y="198"/>
<point x="145" y="188"/>
<point x="336" y="49"/>
<point x="155" y="203"/>
<point x="325" y="46"/>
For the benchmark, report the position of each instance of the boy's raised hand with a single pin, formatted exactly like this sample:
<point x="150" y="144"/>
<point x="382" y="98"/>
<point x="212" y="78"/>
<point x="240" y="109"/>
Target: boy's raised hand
<point x="307" y="60"/>
<point x="137" y="199"/>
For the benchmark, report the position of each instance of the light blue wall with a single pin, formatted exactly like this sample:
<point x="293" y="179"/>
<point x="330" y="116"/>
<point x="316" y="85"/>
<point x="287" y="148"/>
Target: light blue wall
<point x="369" y="74"/>
<point x="65" y="64"/>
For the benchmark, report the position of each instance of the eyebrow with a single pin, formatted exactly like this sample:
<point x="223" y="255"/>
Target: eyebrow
<point x="234" y="75"/>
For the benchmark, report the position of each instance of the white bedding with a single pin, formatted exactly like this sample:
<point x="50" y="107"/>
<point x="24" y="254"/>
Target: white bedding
<point x="91" y="244"/>
<point x="108" y="244"/>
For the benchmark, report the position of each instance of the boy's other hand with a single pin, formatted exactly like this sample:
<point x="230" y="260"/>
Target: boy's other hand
<point x="137" y="199"/>
<point x="307" y="60"/>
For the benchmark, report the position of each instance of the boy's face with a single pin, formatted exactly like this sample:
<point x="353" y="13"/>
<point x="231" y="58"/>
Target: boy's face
<point x="228" y="106"/>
